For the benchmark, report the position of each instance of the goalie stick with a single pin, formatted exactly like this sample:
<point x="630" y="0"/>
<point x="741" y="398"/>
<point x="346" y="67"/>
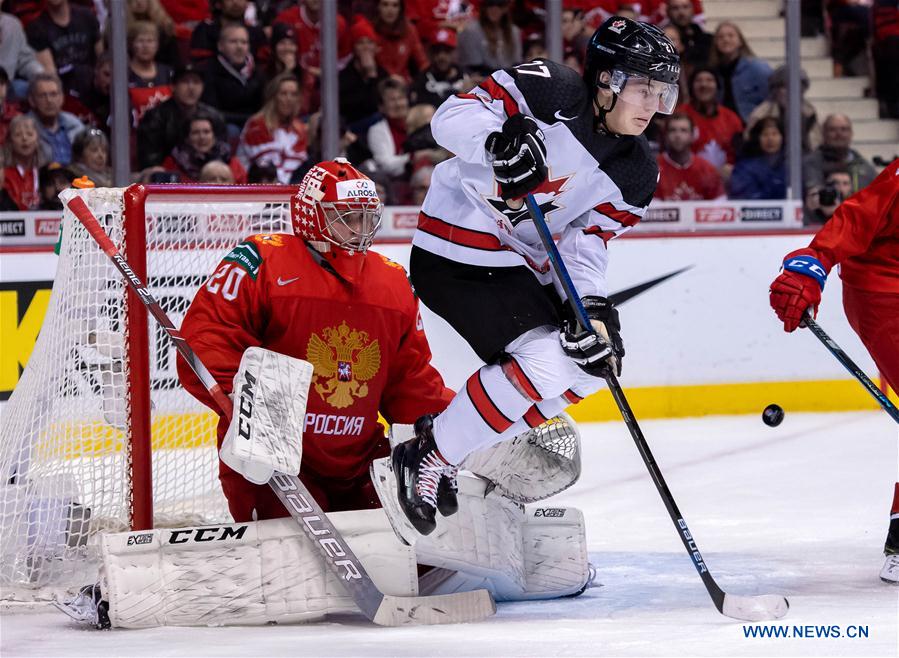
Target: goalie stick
<point x="746" y="608"/>
<point x="382" y="609"/>
<point x="850" y="365"/>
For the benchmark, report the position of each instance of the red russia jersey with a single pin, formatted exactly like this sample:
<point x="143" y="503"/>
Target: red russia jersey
<point x="366" y="344"/>
<point x="695" y="181"/>
<point x="863" y="235"/>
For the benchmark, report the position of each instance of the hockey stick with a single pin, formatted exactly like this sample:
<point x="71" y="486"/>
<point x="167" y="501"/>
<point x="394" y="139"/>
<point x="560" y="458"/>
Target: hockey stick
<point x="850" y="365"/>
<point x="746" y="608"/>
<point x="382" y="609"/>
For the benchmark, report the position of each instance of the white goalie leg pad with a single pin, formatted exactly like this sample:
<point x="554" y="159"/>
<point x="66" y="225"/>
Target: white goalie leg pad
<point x="494" y="543"/>
<point x="266" y="430"/>
<point x="244" y="573"/>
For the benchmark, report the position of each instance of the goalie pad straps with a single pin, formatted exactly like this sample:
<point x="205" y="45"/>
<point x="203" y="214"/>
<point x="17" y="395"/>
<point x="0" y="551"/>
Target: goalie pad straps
<point x="245" y="573"/>
<point x="265" y="434"/>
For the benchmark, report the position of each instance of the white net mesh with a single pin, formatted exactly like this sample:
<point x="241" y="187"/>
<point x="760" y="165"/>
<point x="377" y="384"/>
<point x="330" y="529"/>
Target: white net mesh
<point x="67" y="435"/>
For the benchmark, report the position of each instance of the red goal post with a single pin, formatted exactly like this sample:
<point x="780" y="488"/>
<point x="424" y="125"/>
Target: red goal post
<point x="98" y="434"/>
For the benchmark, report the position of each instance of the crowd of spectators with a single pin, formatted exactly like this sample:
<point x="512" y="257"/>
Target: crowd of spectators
<point x="229" y="90"/>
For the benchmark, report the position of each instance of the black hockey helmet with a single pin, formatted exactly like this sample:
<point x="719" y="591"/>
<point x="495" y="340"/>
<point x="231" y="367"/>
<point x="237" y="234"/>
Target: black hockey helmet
<point x="632" y="48"/>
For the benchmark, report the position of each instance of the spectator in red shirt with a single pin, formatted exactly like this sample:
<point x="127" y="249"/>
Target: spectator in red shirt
<point x="400" y="51"/>
<point x="885" y="52"/>
<point x="187" y="13"/>
<point x="275" y="135"/>
<point x="305" y="17"/>
<point x="718" y="129"/>
<point x="200" y="146"/>
<point x="682" y="175"/>
<point x="23" y="155"/>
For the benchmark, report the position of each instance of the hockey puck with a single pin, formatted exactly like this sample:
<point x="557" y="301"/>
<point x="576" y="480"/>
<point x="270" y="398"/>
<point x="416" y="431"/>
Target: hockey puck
<point x="772" y="415"/>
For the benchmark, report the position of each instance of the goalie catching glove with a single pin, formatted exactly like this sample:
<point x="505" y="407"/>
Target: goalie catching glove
<point x="598" y="350"/>
<point x="519" y="156"/>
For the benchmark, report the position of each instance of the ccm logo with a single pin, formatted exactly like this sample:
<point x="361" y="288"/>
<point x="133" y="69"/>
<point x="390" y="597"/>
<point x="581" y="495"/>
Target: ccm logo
<point x="137" y="540"/>
<point x="211" y="533"/>
<point x="553" y="512"/>
<point x="715" y="215"/>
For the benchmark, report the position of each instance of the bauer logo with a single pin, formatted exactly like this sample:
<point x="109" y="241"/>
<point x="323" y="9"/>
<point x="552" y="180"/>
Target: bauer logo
<point x="715" y="215"/>
<point x="209" y="533"/>
<point x="550" y="512"/>
<point x="141" y="539"/>
<point x="661" y="215"/>
<point x="774" y="214"/>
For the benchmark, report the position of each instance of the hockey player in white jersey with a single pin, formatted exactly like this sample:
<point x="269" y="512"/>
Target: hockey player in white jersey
<point x="477" y="261"/>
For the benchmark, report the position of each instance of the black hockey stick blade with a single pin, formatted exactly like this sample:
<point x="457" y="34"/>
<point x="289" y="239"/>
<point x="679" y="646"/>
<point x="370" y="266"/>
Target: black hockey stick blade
<point x="850" y="365"/>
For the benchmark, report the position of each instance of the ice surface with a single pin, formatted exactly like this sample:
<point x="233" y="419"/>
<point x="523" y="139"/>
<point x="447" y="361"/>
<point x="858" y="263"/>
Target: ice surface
<point x="799" y="510"/>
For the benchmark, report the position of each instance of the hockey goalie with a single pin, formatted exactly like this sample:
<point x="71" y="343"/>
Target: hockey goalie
<point x="313" y="335"/>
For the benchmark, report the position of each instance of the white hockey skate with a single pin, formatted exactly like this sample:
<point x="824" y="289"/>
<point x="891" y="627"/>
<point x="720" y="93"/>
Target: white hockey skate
<point x="890" y="572"/>
<point x="87" y="607"/>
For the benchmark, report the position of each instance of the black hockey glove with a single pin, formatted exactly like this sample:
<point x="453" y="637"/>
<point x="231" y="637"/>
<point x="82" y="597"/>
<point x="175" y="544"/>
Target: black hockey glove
<point x="519" y="156"/>
<point x="601" y="349"/>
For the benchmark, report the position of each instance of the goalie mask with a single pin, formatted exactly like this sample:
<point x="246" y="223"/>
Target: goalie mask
<point x="336" y="205"/>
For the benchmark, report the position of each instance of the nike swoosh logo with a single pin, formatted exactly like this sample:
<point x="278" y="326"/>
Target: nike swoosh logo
<point x="561" y="118"/>
<point x="284" y="282"/>
<point x="619" y="298"/>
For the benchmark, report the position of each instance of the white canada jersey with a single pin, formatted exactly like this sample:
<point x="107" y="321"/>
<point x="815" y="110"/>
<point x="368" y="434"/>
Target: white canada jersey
<point x="598" y="186"/>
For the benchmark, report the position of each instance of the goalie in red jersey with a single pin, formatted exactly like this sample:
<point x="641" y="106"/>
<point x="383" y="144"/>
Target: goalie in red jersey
<point x="320" y="295"/>
<point x="862" y="237"/>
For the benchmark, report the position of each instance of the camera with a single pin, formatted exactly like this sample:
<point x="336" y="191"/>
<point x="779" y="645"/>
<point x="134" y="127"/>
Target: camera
<point x="830" y="195"/>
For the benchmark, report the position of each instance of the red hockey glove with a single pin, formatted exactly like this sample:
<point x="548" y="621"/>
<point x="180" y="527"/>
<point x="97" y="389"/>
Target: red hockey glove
<point x="798" y="287"/>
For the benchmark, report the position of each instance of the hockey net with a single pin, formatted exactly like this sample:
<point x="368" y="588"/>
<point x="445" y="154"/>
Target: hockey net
<point x="98" y="434"/>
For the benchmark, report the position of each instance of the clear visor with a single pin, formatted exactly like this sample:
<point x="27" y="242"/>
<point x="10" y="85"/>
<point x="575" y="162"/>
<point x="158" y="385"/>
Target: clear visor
<point x="652" y="95"/>
<point x="351" y="225"/>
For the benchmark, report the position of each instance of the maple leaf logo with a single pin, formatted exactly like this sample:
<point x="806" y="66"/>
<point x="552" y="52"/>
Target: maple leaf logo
<point x="546" y="195"/>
